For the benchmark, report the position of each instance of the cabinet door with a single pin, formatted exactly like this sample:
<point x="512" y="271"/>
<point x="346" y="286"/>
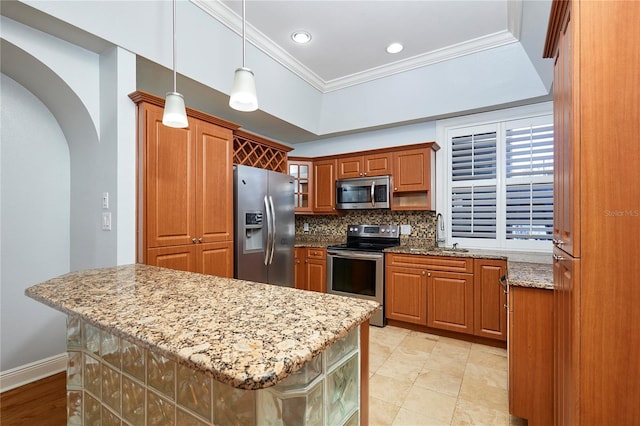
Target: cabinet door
<point x="412" y="170"/>
<point x="169" y="183"/>
<point x="216" y="259"/>
<point x="566" y="311"/>
<point x="566" y="145"/>
<point x="406" y="295"/>
<point x="324" y="197"/>
<point x="316" y="275"/>
<point x="299" y="269"/>
<point x="182" y="258"/>
<point x="302" y="173"/>
<point x="377" y="164"/>
<point x="350" y="167"/>
<point x="490" y="315"/>
<point x="450" y="301"/>
<point x="214" y="185"/>
<point x="531" y="354"/>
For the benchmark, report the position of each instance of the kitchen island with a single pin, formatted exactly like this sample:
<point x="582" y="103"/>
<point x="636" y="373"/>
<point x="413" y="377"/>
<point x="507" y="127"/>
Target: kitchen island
<point x="149" y="345"/>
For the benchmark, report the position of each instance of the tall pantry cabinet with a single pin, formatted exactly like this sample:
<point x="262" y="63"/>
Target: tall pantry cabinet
<point x="185" y="191"/>
<point x="596" y="50"/>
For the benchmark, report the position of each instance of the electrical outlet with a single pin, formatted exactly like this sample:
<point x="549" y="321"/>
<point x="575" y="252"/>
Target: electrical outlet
<point x="405" y="229"/>
<point x="305" y="227"/>
<point x="105" y="200"/>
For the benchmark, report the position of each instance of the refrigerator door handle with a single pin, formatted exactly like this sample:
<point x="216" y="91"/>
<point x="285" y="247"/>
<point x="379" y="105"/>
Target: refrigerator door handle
<point x="273" y="230"/>
<point x="269" y="231"/>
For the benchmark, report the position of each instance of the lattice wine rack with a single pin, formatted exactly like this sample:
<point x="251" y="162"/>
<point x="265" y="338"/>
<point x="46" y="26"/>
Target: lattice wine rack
<point x="252" y="150"/>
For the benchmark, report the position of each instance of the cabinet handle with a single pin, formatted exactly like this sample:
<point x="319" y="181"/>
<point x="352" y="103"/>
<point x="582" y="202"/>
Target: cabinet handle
<point x="193" y="240"/>
<point x="423" y="272"/>
<point x="365" y="174"/>
<point x="557" y="258"/>
<point x="557" y="243"/>
<point x="503" y="282"/>
<point x="506" y="306"/>
<point x="200" y="239"/>
<point x="395" y="189"/>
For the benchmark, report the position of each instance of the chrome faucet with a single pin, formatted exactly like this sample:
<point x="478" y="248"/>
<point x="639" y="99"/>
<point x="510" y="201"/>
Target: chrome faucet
<point x="440" y="237"/>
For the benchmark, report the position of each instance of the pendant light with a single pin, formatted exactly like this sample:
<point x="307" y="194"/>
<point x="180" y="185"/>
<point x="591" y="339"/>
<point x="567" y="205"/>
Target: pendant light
<point x="175" y="114"/>
<point x="243" y="93"/>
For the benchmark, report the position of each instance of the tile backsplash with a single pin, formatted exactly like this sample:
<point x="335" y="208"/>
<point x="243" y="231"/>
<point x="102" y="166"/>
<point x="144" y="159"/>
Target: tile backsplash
<point x="423" y="223"/>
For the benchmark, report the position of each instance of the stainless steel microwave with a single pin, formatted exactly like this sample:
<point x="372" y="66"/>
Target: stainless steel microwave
<point x="363" y="193"/>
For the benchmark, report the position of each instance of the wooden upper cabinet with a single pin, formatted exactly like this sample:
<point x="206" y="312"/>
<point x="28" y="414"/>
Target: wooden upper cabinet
<point x="413" y="177"/>
<point x="302" y="173"/>
<point x="412" y="170"/>
<point x="214" y="189"/>
<point x="378" y="164"/>
<point x="324" y="197"/>
<point x="170" y="181"/>
<point x="185" y="190"/>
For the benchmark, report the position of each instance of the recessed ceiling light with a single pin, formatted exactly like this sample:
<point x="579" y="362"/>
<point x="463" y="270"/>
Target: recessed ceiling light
<point x="394" y="48"/>
<point x="301" y="37"/>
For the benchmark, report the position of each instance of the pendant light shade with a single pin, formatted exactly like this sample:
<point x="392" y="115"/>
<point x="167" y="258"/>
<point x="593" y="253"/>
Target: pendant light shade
<point x="243" y="93"/>
<point x="175" y="114"/>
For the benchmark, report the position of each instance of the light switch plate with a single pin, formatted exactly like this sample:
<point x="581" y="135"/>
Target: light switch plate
<point x="405" y="229"/>
<point x="105" y="200"/>
<point x="106" y="221"/>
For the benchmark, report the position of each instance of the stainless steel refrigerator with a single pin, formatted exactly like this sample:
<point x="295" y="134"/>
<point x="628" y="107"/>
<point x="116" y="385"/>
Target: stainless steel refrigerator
<point x="264" y="226"/>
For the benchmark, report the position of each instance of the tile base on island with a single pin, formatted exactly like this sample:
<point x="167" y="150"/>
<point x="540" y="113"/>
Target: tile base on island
<point x="111" y="381"/>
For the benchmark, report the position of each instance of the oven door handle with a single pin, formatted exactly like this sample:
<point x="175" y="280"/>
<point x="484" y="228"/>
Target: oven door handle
<point x="355" y="255"/>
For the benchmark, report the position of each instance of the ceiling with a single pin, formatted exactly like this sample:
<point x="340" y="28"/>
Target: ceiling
<point x="349" y="37"/>
<point x="347" y="63"/>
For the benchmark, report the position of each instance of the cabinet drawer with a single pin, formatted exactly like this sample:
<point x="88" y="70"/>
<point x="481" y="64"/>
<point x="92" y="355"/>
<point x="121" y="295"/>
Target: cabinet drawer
<point x="315" y="253"/>
<point x="432" y="263"/>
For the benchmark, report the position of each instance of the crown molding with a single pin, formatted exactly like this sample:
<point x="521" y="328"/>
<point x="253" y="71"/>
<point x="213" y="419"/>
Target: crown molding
<point x="231" y="20"/>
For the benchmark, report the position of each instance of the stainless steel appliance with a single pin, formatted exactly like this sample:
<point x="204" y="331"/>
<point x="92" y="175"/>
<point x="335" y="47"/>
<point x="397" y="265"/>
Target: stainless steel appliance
<point x="264" y="226"/>
<point x="356" y="268"/>
<point x="363" y="193"/>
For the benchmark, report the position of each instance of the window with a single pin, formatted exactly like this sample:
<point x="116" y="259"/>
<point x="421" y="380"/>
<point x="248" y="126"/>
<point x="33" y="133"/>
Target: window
<point x="499" y="190"/>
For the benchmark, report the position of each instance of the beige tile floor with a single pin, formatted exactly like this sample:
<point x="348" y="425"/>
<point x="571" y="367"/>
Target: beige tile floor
<point x="424" y="379"/>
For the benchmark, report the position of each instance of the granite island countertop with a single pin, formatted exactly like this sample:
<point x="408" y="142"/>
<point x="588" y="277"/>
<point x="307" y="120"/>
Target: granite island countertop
<point x="533" y="275"/>
<point x="248" y="335"/>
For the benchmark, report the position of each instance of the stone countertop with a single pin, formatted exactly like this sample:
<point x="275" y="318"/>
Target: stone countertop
<point x="248" y="335"/>
<point x="426" y="250"/>
<point x="533" y="275"/>
<point x="318" y="241"/>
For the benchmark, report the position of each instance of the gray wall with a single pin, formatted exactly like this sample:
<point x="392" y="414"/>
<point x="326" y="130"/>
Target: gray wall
<point x="35" y="228"/>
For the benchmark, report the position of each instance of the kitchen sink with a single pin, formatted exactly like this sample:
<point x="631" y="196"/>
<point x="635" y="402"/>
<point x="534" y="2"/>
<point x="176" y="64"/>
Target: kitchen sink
<point x="451" y="249"/>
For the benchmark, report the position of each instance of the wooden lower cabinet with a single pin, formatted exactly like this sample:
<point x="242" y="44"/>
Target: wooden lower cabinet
<point x="458" y="294"/>
<point x="311" y="269"/>
<point x="490" y="315"/>
<point x="450" y="301"/>
<point x="299" y="274"/>
<point x="207" y="258"/>
<point x="531" y="355"/>
<point x="406" y="294"/>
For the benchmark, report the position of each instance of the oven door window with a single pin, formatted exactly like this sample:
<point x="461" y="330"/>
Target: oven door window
<point x="354" y="276"/>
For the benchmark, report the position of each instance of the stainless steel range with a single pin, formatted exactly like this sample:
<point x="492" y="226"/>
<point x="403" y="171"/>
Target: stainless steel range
<point x="356" y="268"/>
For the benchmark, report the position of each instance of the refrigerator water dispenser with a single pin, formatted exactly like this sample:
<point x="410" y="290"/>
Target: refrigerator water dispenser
<point x="253" y="231"/>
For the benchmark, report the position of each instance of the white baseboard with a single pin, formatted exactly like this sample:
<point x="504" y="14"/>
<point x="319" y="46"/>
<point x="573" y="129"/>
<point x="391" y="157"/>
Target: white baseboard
<point x="31" y="372"/>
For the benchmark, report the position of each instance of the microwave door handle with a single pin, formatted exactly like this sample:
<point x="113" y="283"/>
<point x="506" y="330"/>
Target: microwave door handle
<point x="273" y="229"/>
<point x="268" y="245"/>
<point x="373" y="192"/>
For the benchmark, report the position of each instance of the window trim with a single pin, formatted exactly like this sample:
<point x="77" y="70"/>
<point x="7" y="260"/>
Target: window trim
<point x="498" y="118"/>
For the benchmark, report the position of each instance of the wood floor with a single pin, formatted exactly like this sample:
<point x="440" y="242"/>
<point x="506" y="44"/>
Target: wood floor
<point x="43" y="402"/>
